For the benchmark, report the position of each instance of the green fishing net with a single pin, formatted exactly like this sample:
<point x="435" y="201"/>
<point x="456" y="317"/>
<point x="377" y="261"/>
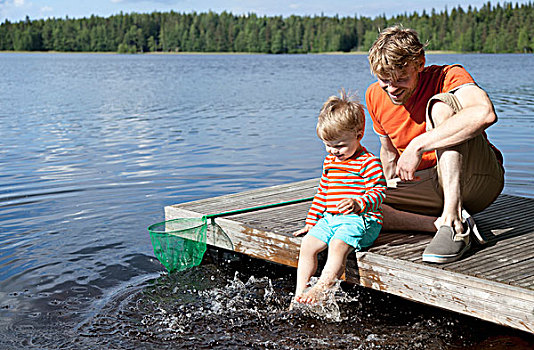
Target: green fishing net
<point x="179" y="244"/>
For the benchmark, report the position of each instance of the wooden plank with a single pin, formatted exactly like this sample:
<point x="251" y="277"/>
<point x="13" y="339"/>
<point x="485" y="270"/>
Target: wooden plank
<point x="389" y="242"/>
<point x="401" y="250"/>
<point x="253" y="242"/>
<point x="274" y="194"/>
<point x="497" y="228"/>
<point x="521" y="269"/>
<point x="494" y="282"/>
<point x="504" y="249"/>
<point x="497" y="264"/>
<point x="482" y="260"/>
<point x="487" y="300"/>
<point x="524" y="282"/>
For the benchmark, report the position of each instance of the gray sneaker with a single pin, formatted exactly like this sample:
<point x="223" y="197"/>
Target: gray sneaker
<point x="447" y="246"/>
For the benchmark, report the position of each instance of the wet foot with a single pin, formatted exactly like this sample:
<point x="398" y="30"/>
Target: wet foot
<point x="313" y="295"/>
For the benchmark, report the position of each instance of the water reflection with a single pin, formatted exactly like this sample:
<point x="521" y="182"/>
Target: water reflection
<point x="94" y="146"/>
<point x="207" y="307"/>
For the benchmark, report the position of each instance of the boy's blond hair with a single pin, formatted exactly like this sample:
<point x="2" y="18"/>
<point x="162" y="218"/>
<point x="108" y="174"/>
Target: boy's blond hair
<point x="339" y="115"/>
<point x="394" y="49"/>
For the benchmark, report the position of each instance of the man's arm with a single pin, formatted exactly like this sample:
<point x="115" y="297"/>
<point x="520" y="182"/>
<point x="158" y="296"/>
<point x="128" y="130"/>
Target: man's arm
<point x="476" y="115"/>
<point x="388" y="157"/>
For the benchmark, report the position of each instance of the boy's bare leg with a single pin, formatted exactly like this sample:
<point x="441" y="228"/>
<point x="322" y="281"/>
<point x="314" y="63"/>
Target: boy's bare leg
<point x="338" y="252"/>
<point x="309" y="248"/>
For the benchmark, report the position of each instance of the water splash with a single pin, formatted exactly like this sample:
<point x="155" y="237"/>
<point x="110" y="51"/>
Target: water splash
<point x="328" y="309"/>
<point x="219" y="308"/>
<point x="233" y="304"/>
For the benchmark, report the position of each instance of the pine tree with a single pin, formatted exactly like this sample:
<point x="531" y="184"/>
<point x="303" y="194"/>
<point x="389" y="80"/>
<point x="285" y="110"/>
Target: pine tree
<point x="499" y="28"/>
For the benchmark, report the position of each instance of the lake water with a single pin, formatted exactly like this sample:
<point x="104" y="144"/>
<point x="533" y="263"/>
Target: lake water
<point x="94" y="146"/>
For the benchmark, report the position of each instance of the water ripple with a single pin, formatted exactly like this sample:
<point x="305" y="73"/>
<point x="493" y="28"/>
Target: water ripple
<point x="94" y="146"/>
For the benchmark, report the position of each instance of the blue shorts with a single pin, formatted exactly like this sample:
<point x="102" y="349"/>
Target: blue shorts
<point x="357" y="231"/>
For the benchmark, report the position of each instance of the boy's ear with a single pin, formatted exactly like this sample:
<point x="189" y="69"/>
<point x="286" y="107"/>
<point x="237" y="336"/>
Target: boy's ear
<point x="359" y="135"/>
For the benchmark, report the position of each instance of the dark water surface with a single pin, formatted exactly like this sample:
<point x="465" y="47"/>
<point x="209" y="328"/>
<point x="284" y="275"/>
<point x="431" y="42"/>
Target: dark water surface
<point x="94" y="146"/>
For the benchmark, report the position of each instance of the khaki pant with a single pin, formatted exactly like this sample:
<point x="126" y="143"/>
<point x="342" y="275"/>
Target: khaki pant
<point x="482" y="178"/>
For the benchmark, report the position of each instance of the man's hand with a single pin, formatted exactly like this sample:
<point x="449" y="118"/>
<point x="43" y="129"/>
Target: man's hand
<point x="408" y="162"/>
<point x="348" y="206"/>
<point x="303" y="230"/>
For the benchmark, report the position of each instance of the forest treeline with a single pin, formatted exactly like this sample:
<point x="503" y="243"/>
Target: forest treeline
<point x="491" y="28"/>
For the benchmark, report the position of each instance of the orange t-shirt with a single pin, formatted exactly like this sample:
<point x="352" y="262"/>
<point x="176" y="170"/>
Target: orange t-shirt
<point x="402" y="123"/>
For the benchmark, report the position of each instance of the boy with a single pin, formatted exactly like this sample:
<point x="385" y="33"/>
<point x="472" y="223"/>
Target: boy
<point x="345" y="213"/>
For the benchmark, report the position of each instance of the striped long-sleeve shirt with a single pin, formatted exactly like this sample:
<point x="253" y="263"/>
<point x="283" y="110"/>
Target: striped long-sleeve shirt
<point x="360" y="177"/>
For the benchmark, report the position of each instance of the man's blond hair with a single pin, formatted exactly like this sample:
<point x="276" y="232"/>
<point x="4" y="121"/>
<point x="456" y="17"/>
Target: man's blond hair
<point x="394" y="49"/>
<point x="339" y="115"/>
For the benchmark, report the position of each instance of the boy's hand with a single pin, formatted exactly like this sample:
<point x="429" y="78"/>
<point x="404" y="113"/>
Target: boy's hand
<point x="348" y="206"/>
<point x="303" y="230"/>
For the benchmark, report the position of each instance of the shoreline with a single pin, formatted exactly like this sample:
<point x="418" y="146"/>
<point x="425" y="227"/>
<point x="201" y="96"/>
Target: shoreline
<point x="185" y="53"/>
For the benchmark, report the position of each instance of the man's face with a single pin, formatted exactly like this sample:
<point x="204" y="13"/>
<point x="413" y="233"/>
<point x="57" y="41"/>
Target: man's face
<point x="402" y="83"/>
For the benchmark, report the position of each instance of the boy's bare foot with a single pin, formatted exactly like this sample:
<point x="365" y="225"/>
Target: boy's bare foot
<point x="298" y="298"/>
<point x="313" y="295"/>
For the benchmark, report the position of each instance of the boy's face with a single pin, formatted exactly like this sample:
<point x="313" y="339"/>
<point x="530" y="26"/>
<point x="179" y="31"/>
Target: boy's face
<point x="401" y="84"/>
<point x="344" y="147"/>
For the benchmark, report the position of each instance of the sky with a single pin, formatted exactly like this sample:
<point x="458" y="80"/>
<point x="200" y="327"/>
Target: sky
<point x="17" y="10"/>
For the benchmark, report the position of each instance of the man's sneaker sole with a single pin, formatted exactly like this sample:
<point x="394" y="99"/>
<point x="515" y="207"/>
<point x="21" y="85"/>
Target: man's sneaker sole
<point x="442" y="259"/>
<point x="444" y="248"/>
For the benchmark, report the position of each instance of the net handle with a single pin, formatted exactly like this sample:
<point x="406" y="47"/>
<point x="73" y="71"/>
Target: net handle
<point x="259" y="207"/>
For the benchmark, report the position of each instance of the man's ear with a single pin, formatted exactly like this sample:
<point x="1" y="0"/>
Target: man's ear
<point x="421" y="64"/>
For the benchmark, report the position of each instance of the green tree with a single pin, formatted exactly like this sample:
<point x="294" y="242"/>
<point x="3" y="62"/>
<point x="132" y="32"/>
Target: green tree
<point x="523" y="41"/>
<point x="369" y="38"/>
<point x="277" y="44"/>
<point x="152" y="44"/>
<point x="505" y="28"/>
<point x="133" y="41"/>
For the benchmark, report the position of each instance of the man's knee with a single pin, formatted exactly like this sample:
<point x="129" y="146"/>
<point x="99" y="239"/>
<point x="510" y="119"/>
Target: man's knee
<point x="440" y="108"/>
<point x="439" y="112"/>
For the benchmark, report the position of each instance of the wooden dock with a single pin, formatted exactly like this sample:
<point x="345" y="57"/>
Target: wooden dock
<point x="494" y="282"/>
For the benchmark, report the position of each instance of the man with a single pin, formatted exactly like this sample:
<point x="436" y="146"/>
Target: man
<point x="437" y="159"/>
